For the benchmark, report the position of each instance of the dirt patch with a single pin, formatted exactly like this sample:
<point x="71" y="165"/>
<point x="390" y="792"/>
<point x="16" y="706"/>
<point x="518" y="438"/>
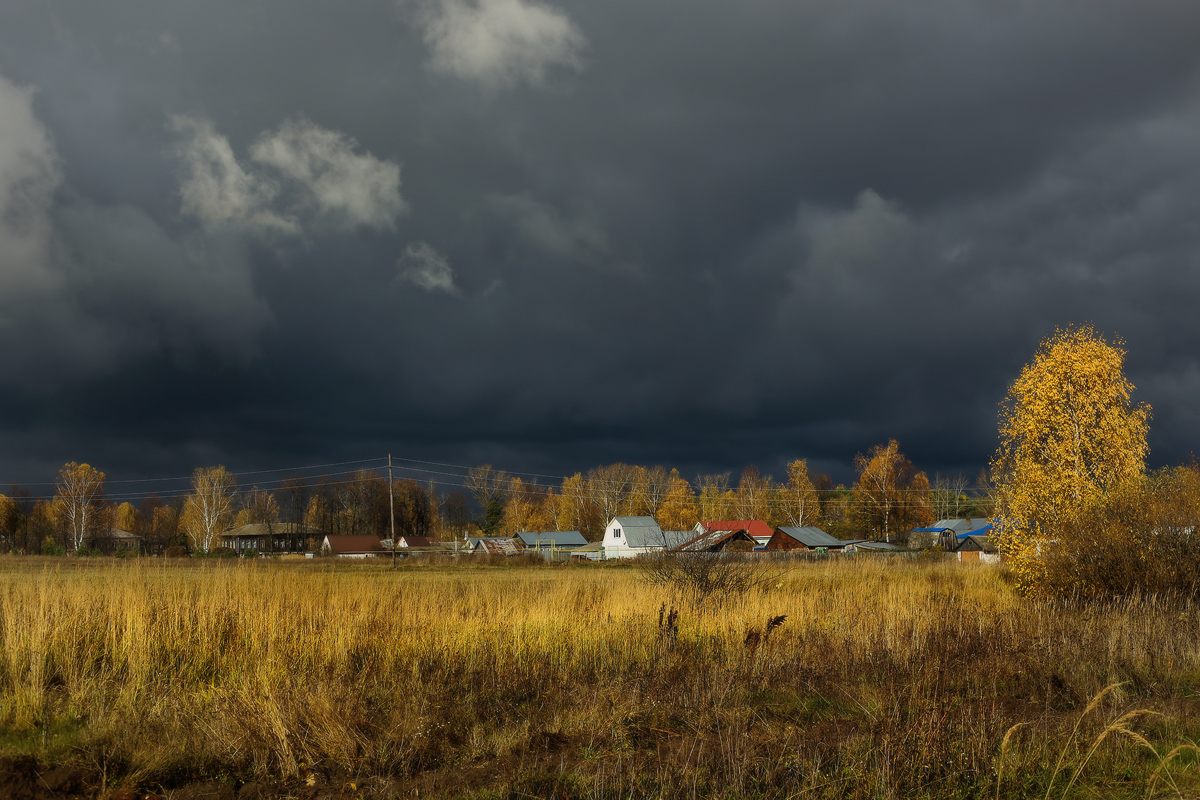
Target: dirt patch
<point x="22" y="779"/>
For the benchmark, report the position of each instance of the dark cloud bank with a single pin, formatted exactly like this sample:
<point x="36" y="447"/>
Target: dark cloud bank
<point x="552" y="236"/>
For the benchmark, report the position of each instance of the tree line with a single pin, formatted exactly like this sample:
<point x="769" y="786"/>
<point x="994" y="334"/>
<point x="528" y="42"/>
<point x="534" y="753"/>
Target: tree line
<point x="889" y="498"/>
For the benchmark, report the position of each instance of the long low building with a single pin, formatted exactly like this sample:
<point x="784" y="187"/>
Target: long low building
<point x="271" y="537"/>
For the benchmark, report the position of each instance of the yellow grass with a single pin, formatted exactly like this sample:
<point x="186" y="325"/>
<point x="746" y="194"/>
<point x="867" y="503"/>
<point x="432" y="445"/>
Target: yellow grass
<point x="887" y="678"/>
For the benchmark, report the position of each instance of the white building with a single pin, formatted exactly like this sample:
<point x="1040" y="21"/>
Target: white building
<point x="628" y="537"/>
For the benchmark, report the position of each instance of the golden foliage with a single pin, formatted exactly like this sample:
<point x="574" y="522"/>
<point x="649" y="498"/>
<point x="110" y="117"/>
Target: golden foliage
<point x="799" y="502"/>
<point x="126" y="517"/>
<point x="890" y="498"/>
<point x="678" y="509"/>
<point x="1070" y="434"/>
<point x="77" y="501"/>
<point x="208" y="510"/>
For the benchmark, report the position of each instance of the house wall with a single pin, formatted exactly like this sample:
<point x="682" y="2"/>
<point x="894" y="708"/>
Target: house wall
<point x="781" y="541"/>
<point x="616" y="546"/>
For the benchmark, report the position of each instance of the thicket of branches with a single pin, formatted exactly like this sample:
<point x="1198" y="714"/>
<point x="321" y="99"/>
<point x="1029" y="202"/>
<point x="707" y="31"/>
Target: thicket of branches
<point x="1143" y="538"/>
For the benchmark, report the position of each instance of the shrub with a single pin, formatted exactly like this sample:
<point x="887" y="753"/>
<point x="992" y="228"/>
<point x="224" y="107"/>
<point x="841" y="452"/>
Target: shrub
<point x="1141" y="539"/>
<point x="175" y="551"/>
<point x="49" y="548"/>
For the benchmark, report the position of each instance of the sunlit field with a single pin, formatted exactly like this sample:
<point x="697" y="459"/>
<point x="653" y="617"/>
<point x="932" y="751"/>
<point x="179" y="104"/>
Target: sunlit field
<point x="888" y="678"/>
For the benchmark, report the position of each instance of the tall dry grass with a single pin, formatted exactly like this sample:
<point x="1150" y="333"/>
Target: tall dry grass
<point x="887" y="679"/>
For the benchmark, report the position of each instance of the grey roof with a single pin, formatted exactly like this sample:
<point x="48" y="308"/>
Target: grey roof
<point x="497" y="546"/>
<point x="559" y="538"/>
<point x="985" y="544"/>
<point x="962" y="525"/>
<point x="641" y="532"/>
<point x="868" y="544"/>
<point x="714" y="538"/>
<point x="676" y="538"/>
<point x="810" y="536"/>
<point x="256" y="529"/>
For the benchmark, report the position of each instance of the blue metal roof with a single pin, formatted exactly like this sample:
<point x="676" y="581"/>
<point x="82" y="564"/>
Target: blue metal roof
<point x="986" y="530"/>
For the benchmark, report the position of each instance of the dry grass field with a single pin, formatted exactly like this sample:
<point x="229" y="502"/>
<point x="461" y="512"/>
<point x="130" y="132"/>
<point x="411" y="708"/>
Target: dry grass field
<point x="888" y="679"/>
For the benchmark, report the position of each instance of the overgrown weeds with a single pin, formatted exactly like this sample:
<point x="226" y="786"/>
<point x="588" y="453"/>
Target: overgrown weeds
<point x="866" y="679"/>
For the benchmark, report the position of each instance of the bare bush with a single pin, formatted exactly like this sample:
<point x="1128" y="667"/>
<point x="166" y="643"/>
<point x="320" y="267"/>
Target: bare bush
<point x="709" y="580"/>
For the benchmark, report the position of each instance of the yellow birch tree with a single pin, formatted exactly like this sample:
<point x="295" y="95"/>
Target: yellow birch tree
<point x="1070" y="433"/>
<point x="799" y="502"/>
<point x="77" y="502"/>
<point x="208" y="510"/>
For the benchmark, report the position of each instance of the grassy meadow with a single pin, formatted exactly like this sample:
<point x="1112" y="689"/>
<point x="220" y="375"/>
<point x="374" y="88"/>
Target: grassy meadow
<point x="889" y="678"/>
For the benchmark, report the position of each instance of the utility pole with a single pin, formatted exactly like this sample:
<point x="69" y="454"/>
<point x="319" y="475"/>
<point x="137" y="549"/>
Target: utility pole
<point x="391" y="511"/>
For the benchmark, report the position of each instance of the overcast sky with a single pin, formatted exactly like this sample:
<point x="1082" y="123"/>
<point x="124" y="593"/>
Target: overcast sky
<point x="554" y="235"/>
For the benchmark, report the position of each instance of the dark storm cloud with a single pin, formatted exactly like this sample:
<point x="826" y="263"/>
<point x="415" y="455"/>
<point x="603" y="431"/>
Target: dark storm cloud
<point x="554" y="235"/>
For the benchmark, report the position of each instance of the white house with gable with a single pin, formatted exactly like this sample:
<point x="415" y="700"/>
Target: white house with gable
<point x="628" y="537"/>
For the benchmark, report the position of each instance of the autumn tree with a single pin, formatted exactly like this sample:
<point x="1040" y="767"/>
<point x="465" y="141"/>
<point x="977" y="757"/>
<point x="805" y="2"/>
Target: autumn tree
<point x="1070" y="434"/>
<point x="126" y="517"/>
<point x="678" y="509"/>
<point x="890" y="496"/>
<point x="77" y="501"/>
<point x="713" y="496"/>
<point x="258" y="508"/>
<point x="456" y="514"/>
<point x="488" y="487"/>
<point x="649" y="490"/>
<point x="10" y="520"/>
<point x="610" y="488"/>
<point x="529" y="508"/>
<point x="754" y="496"/>
<point x="208" y="510"/>
<point x="799" y="504"/>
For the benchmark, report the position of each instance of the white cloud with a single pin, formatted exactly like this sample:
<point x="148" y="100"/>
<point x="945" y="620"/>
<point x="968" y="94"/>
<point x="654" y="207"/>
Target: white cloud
<point x="216" y="189"/>
<point x="499" y="43"/>
<point x="427" y="268"/>
<point x="349" y="188"/>
<point x="299" y="170"/>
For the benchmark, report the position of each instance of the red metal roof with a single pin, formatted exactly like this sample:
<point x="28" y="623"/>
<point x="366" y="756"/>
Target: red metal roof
<point x="754" y="527"/>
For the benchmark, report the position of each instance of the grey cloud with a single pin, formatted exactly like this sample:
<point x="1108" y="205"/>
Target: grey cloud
<point x="350" y="188"/>
<point x="311" y="172"/>
<point x="849" y="221"/>
<point x="577" y="238"/>
<point x="216" y="189"/>
<point x="86" y="287"/>
<point x="499" y="43"/>
<point x="424" y="266"/>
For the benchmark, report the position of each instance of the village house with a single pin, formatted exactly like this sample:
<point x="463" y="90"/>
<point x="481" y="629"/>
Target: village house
<point x="495" y="546"/>
<point x="760" y="530"/>
<point x="270" y="537"/>
<point x="629" y="537"/>
<point x="719" y="540"/>
<point x="552" y="540"/>
<point x="805" y="538"/>
<point x="413" y="542"/>
<point x="344" y="546"/>
<point x="945" y="533"/>
<point x="976" y="549"/>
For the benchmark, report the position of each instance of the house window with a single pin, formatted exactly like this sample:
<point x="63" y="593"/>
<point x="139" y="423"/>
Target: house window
<point x="616" y="533"/>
